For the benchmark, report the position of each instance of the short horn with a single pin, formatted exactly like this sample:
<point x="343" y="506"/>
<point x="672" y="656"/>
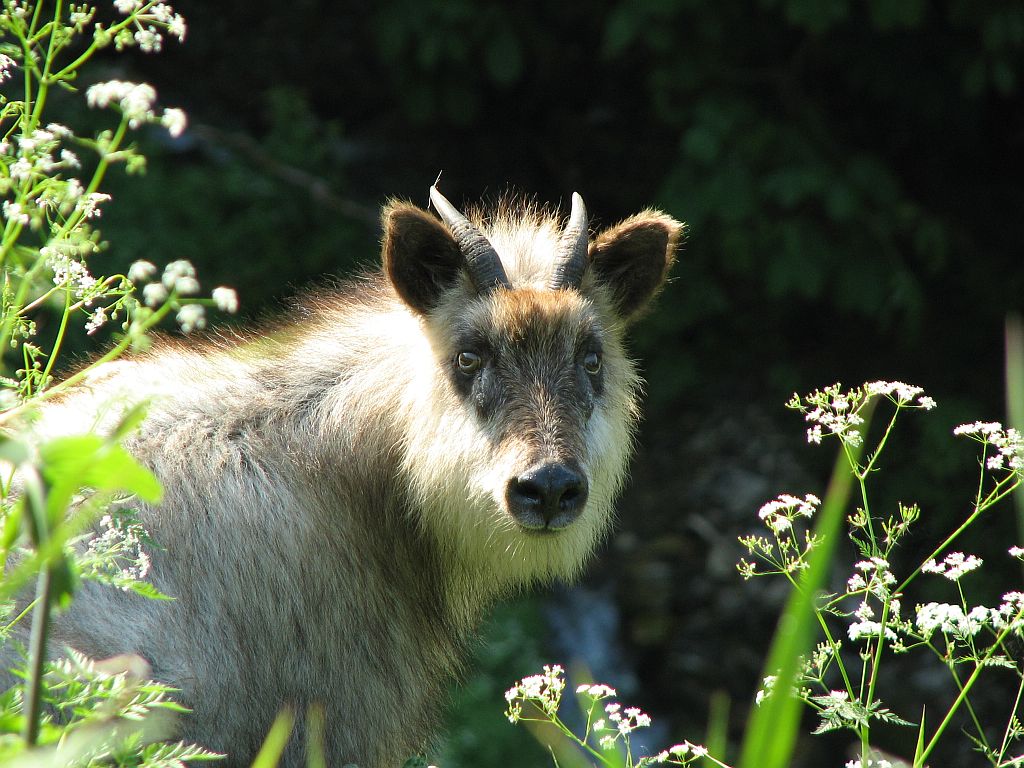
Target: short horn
<point x="485" y="269"/>
<point x="572" y="248"/>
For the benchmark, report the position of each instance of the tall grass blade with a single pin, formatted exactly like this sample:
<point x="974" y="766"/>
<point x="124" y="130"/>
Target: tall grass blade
<point x="771" y="731"/>
<point x="1015" y="396"/>
<point x="277" y="739"/>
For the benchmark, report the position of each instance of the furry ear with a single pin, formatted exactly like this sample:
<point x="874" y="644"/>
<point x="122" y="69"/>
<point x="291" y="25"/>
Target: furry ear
<point x="421" y="258"/>
<point x="632" y="259"/>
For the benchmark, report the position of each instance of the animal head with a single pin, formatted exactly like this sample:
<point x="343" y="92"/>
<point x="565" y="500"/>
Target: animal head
<point x="523" y="415"/>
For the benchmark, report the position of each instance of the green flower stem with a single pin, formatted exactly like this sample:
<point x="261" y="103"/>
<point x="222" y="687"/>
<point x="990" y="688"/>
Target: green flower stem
<point x="863" y="474"/>
<point x="979" y="665"/>
<point x="95" y="45"/>
<point x="61" y="330"/>
<point x="44" y="84"/>
<point x="37" y="657"/>
<point x="970" y="709"/>
<point x="21" y="295"/>
<point x="978" y="510"/>
<point x="73" y="221"/>
<point x="1006" y="734"/>
<point x="13" y="622"/>
<point x="829" y="638"/>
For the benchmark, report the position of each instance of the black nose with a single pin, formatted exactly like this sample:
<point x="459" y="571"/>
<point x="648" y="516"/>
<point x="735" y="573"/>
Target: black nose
<point x="548" y="496"/>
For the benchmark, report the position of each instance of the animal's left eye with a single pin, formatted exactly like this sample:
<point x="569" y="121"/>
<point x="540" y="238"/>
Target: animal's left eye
<point x="592" y="363"/>
<point x="468" y="362"/>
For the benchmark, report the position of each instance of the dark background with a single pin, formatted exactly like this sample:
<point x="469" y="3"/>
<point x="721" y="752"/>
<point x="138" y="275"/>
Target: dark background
<point x="850" y="173"/>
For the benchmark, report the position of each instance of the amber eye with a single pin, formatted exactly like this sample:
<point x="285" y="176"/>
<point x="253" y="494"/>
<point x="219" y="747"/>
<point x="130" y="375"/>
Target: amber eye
<point x="468" y="362"/>
<point x="592" y="363"/>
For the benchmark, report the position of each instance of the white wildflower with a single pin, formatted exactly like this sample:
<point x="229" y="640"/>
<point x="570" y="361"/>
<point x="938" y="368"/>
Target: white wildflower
<point x="96" y="320"/>
<point x="1017" y="552"/>
<point x="134" y="99"/>
<point x="89" y="205"/>
<point x="149" y="40"/>
<point x="60" y="130"/>
<point x="779" y="513"/>
<point x="174" y="120"/>
<point x="869" y="629"/>
<point x="598" y="690"/>
<point x="544" y="690"/>
<point x="950" y="619"/>
<point x="186" y="286"/>
<point x="6" y="65"/>
<point x="902" y="393"/>
<point x="15" y="212"/>
<point x="69" y="159"/>
<point x="21" y="169"/>
<point x="177" y="270"/>
<point x="979" y="428"/>
<point x="955" y="565"/>
<point x="141" y="271"/>
<point x="176" y="27"/>
<point x="127" y="6"/>
<point x="766" y="690"/>
<point x="154" y="294"/>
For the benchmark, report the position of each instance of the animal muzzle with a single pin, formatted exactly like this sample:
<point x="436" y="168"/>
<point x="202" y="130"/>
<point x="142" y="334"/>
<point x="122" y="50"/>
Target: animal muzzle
<point x="547" y="497"/>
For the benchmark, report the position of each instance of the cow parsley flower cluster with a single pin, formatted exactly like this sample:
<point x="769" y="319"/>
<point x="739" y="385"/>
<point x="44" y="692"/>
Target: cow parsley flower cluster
<point x="148" y="21"/>
<point x="115" y="554"/>
<point x="832" y="411"/>
<point x="843" y="689"/>
<point x="135" y="102"/>
<point x="544" y="691"/>
<point x="1008" y="444"/>
<point x="955" y="565"/>
<point x="609" y="724"/>
<point x="786" y="518"/>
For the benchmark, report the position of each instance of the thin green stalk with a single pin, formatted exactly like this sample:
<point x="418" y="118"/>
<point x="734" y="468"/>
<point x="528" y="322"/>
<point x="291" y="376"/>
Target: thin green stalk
<point x="978" y="510"/>
<point x="970" y="710"/>
<point x="61" y="330"/>
<point x="1006" y="733"/>
<point x="771" y="732"/>
<point x="44" y="84"/>
<point x="37" y="658"/>
<point x="72" y="221"/>
<point x="863" y="474"/>
<point x="19" y="300"/>
<point x="979" y="665"/>
<point x="28" y="609"/>
<point x="95" y="46"/>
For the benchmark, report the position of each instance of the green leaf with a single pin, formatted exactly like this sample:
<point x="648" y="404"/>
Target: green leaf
<point x="91" y="461"/>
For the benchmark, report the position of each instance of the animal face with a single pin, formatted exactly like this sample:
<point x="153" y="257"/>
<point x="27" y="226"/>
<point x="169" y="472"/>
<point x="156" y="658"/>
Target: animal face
<point x="523" y="418"/>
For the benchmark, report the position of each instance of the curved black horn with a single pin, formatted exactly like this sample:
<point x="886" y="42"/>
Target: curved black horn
<point x="572" y="248"/>
<point x="485" y="269"/>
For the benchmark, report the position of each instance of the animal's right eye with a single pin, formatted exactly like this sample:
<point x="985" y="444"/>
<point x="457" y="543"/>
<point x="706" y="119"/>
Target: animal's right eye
<point x="468" y="362"/>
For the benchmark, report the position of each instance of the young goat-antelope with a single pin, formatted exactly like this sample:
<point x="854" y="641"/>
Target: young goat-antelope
<point x="346" y="495"/>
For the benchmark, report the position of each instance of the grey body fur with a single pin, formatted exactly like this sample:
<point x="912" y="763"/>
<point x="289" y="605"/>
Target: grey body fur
<point x="335" y="518"/>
